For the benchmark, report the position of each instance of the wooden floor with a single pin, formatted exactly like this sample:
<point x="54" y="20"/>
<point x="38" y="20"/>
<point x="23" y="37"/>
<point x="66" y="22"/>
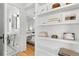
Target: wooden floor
<point x="29" y="52"/>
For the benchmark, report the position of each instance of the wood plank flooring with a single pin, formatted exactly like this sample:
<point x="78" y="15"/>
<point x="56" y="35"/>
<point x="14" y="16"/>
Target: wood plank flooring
<point x="29" y="52"/>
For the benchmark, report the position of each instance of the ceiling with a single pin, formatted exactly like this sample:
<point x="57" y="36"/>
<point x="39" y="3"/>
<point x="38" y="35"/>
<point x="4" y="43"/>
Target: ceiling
<point x="29" y="8"/>
<point x="22" y="5"/>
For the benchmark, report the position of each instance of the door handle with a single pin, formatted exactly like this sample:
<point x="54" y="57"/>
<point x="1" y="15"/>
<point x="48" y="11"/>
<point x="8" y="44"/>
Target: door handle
<point x="2" y="37"/>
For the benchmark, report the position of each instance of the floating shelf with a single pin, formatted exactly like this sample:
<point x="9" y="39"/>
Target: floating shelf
<point x="59" y="40"/>
<point x="60" y="9"/>
<point x="61" y="23"/>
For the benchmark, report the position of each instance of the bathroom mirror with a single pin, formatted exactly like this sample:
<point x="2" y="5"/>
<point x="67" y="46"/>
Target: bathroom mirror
<point x="14" y="21"/>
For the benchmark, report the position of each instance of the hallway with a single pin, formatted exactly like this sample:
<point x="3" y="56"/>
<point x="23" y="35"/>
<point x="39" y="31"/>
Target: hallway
<point x="29" y="52"/>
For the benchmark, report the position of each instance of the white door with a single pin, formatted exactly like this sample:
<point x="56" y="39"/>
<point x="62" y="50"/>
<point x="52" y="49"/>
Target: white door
<point x="2" y="31"/>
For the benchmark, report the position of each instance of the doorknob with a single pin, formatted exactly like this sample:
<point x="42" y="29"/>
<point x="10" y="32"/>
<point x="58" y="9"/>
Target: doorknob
<point x="2" y="37"/>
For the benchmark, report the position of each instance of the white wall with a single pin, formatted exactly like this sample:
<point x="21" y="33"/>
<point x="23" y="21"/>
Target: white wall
<point x="30" y="20"/>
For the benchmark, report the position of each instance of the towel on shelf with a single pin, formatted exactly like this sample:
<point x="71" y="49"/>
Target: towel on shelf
<point x="67" y="52"/>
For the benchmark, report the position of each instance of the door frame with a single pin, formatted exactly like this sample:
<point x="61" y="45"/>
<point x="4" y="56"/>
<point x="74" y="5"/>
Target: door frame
<point x="5" y="29"/>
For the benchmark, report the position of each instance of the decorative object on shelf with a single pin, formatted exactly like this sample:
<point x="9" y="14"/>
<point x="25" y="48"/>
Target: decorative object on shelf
<point x="54" y="19"/>
<point x="69" y="36"/>
<point x="67" y="52"/>
<point x="72" y="17"/>
<point x="43" y="34"/>
<point x="54" y="36"/>
<point x="55" y="5"/>
<point x="68" y="3"/>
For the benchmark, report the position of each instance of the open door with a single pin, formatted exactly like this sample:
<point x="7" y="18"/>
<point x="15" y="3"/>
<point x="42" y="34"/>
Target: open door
<point x="1" y="29"/>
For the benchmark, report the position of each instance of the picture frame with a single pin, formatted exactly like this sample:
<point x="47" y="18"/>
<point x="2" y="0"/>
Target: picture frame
<point x="69" y="36"/>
